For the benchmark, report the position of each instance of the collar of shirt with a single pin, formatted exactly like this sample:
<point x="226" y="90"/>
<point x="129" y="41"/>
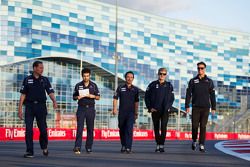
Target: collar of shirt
<point x="88" y="86"/>
<point x="131" y="86"/>
<point x="34" y="78"/>
<point x="201" y="79"/>
<point x="128" y="88"/>
<point x="161" y="84"/>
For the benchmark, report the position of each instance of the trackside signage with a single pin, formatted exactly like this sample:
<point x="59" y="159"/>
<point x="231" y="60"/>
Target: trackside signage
<point x="16" y="134"/>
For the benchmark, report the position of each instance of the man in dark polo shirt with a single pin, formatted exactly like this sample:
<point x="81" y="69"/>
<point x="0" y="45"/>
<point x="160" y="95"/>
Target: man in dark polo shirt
<point x="86" y="92"/>
<point x="128" y="96"/>
<point x="33" y="96"/>
<point x="201" y="91"/>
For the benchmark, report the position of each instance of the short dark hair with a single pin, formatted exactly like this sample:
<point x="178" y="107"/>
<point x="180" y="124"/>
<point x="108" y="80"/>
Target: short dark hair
<point x="86" y="70"/>
<point x="36" y="63"/>
<point x="202" y="63"/>
<point x="129" y="72"/>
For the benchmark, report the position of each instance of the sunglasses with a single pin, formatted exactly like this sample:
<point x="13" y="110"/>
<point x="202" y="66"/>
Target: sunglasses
<point x="163" y="74"/>
<point x="200" y="68"/>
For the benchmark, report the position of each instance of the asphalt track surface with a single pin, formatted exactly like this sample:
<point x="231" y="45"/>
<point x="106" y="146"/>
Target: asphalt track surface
<point x="107" y="154"/>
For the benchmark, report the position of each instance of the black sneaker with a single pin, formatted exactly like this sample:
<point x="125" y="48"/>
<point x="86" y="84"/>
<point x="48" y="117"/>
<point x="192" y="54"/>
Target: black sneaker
<point x="157" y="150"/>
<point x="162" y="150"/>
<point x="45" y="152"/>
<point x="123" y="149"/>
<point x="28" y="155"/>
<point x="89" y="150"/>
<point x="194" y="145"/>
<point x="128" y="151"/>
<point x="202" y="148"/>
<point x="77" y="150"/>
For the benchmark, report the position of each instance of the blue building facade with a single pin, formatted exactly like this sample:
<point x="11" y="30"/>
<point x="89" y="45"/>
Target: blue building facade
<point x="54" y="30"/>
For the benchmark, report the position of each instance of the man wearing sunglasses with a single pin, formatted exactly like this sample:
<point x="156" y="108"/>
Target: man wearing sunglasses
<point x="201" y="90"/>
<point x="159" y="98"/>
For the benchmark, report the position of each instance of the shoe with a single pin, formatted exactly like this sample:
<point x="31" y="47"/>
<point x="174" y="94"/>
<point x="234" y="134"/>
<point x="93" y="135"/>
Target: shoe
<point x="45" y="152"/>
<point x="89" y="150"/>
<point x="128" y="151"/>
<point x="162" y="149"/>
<point x="202" y="148"/>
<point x="123" y="149"/>
<point x="194" y="145"/>
<point x="77" y="150"/>
<point x="157" y="150"/>
<point x="28" y="155"/>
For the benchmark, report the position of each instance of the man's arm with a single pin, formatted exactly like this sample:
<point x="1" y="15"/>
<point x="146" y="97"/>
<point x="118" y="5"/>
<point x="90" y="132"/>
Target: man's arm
<point x="136" y="109"/>
<point x="23" y="91"/>
<point x="147" y="97"/>
<point x="136" y="103"/>
<point x="20" y="107"/>
<point x="50" y="91"/>
<point x="115" y="99"/>
<point x="170" y="97"/>
<point x="93" y="97"/>
<point x="76" y="94"/>
<point x="212" y="97"/>
<point x="53" y="99"/>
<point x="96" y="94"/>
<point x="114" y="111"/>
<point x="188" y="96"/>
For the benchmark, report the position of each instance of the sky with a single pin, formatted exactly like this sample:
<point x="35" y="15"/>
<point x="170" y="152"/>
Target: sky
<point x="226" y="14"/>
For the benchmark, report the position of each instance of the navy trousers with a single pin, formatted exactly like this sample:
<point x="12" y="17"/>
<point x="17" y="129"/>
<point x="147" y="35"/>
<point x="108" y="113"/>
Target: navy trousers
<point x="82" y="114"/>
<point x="38" y="111"/>
<point x="126" y="123"/>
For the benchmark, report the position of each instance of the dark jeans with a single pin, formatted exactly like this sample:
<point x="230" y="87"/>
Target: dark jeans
<point x="199" y="117"/>
<point x="38" y="111"/>
<point x="126" y="124"/>
<point x="82" y="114"/>
<point x="160" y="120"/>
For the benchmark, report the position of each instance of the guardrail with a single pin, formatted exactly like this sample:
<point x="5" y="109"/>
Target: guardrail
<point x="17" y="134"/>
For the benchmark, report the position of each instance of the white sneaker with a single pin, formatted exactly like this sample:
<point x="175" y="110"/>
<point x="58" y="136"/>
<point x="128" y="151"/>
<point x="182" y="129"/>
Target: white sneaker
<point x="157" y="148"/>
<point x="202" y="148"/>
